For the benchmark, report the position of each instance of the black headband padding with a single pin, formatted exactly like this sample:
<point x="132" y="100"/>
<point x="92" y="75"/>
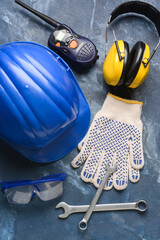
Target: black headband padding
<point x="138" y="7"/>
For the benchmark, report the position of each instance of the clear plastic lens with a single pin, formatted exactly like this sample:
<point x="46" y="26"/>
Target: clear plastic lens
<point x="49" y="190"/>
<point x="45" y="191"/>
<point x="19" y="195"/>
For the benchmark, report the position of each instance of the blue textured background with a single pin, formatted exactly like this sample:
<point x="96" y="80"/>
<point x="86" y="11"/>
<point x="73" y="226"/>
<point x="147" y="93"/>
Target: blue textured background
<point x="38" y="220"/>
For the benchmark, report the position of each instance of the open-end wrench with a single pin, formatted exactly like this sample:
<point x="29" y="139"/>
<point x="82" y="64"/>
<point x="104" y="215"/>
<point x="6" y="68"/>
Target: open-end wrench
<point x="69" y="209"/>
<point x="109" y="171"/>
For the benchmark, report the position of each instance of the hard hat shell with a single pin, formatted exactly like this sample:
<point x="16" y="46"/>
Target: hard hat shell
<point x="43" y="112"/>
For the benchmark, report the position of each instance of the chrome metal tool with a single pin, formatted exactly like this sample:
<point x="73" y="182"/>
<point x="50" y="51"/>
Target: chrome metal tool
<point x="109" y="171"/>
<point x="140" y="206"/>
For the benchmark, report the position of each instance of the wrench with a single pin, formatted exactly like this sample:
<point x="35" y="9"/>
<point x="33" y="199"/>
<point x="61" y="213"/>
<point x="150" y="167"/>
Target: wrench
<point x="69" y="209"/>
<point x="109" y="171"/>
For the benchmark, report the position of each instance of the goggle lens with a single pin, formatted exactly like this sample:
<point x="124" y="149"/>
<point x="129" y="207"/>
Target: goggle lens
<point x="49" y="190"/>
<point x="19" y="195"/>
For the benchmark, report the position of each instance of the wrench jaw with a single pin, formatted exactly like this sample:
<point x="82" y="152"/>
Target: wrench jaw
<point x="65" y="207"/>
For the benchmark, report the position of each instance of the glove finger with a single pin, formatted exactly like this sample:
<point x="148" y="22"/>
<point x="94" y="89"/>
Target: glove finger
<point x="82" y="156"/>
<point x="101" y="171"/>
<point x="91" y="139"/>
<point x="86" y="146"/>
<point x="136" y="150"/>
<point x="120" y="177"/>
<point x="80" y="145"/>
<point x="134" y="174"/>
<point x="90" y="167"/>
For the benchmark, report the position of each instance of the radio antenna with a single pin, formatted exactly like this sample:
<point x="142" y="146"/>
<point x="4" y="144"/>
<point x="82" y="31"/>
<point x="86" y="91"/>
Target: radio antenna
<point x="40" y="15"/>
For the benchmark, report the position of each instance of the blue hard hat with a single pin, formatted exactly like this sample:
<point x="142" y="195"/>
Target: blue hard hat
<point x="43" y="112"/>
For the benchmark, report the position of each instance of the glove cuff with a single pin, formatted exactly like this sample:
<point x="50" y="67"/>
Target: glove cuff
<point x="119" y="109"/>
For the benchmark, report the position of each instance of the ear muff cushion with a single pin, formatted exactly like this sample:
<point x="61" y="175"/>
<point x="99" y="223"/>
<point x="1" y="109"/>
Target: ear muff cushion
<point x="135" y="60"/>
<point x="125" y="64"/>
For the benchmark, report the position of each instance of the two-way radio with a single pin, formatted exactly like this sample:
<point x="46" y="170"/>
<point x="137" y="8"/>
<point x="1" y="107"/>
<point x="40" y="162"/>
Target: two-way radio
<point x="69" y="45"/>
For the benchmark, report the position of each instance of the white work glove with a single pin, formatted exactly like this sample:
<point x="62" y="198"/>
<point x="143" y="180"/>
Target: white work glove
<point x="115" y="136"/>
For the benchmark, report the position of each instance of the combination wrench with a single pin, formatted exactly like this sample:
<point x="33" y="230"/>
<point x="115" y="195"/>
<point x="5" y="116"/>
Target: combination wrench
<point x="140" y="206"/>
<point x="109" y="171"/>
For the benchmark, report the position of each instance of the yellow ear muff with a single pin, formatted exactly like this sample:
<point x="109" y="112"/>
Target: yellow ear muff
<point x="113" y="67"/>
<point x="143" y="70"/>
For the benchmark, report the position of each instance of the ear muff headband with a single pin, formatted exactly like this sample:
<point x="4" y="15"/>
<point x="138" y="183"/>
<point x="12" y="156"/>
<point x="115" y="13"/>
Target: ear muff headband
<point x="142" y="8"/>
<point x="138" y="7"/>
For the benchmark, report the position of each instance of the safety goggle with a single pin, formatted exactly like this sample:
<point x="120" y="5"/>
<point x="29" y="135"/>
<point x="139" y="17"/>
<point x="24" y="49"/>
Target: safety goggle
<point x="22" y="191"/>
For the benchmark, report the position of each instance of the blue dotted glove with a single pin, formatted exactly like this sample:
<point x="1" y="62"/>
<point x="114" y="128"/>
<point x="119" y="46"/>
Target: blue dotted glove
<point x="115" y="136"/>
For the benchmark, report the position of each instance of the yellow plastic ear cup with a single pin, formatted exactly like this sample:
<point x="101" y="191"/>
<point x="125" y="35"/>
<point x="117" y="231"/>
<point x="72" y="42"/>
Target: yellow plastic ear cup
<point x="113" y="67"/>
<point x="143" y="71"/>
